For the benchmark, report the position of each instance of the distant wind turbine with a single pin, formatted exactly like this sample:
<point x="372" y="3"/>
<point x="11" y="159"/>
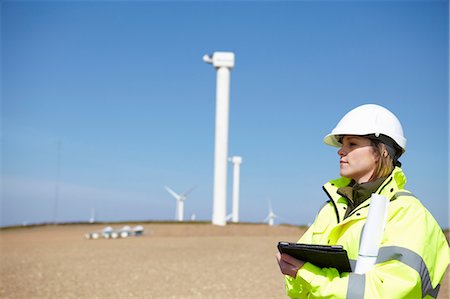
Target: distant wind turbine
<point x="271" y="216"/>
<point x="179" y="212"/>
<point x="92" y="219"/>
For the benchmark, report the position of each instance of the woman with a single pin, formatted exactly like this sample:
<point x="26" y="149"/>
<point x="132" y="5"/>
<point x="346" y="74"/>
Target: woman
<point x="413" y="253"/>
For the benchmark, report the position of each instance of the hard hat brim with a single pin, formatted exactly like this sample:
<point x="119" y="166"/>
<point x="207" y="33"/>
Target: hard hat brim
<point x="332" y="139"/>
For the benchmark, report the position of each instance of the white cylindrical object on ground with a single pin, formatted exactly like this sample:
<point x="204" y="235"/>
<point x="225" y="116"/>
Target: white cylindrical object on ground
<point x="372" y="233"/>
<point x="236" y="160"/>
<point x="180" y="210"/>
<point x="223" y="62"/>
<point x="221" y="146"/>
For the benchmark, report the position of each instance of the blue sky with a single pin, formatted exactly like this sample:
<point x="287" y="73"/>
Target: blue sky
<point x="122" y="87"/>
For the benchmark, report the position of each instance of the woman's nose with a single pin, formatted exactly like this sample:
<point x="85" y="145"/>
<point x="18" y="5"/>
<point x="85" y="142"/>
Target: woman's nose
<point x="341" y="152"/>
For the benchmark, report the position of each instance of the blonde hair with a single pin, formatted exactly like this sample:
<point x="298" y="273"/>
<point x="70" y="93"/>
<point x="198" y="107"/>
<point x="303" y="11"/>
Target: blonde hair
<point x="385" y="163"/>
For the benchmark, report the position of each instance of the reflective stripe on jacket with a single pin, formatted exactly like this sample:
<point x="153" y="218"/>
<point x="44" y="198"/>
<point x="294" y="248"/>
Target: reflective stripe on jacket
<point x="412" y="259"/>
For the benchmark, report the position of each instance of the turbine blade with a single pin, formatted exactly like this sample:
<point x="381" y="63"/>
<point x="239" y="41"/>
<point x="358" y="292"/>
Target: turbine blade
<point x="173" y="193"/>
<point x="229" y="216"/>
<point x="185" y="194"/>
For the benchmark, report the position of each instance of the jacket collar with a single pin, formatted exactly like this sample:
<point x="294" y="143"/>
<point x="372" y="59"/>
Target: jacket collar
<point x="394" y="182"/>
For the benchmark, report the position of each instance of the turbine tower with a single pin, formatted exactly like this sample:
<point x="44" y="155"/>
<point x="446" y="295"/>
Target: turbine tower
<point x="179" y="212"/>
<point x="223" y="62"/>
<point x="92" y="219"/>
<point x="236" y="160"/>
<point x="271" y="217"/>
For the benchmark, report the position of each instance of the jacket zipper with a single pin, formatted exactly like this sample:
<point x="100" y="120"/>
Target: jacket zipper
<point x="334" y="204"/>
<point x="360" y="208"/>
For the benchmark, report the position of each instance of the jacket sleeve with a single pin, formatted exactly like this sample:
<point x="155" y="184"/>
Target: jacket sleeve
<point x="412" y="260"/>
<point x="413" y="255"/>
<point x="312" y="281"/>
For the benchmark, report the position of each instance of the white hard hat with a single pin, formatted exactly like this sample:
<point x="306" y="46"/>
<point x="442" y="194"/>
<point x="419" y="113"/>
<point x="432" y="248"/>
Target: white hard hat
<point x="369" y="119"/>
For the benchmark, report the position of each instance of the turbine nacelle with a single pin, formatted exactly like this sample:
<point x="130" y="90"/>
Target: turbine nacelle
<point x="235" y="160"/>
<point x="220" y="59"/>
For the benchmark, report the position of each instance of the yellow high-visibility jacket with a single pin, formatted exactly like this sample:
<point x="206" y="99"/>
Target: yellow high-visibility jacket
<point x="413" y="254"/>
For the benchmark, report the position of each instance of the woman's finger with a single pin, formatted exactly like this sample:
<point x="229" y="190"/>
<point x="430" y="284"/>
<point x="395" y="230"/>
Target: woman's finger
<point x="291" y="260"/>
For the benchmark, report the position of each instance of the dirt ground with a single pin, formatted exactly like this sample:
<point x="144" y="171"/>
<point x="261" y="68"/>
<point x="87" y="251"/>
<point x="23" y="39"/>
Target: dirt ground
<point x="168" y="261"/>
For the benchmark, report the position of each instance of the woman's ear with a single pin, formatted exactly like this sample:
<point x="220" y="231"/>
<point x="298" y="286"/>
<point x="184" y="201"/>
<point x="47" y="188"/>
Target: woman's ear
<point x="384" y="152"/>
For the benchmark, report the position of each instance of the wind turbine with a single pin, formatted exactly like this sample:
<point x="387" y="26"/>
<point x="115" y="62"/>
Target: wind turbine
<point x="223" y="62"/>
<point x="271" y="217"/>
<point x="92" y="219"/>
<point x="179" y="212"/>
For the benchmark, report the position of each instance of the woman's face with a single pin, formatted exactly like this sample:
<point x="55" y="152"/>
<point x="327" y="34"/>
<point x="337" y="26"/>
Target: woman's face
<point x="358" y="160"/>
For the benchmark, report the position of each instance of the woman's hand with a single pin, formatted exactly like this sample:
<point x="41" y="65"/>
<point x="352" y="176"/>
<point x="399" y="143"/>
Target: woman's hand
<point x="288" y="264"/>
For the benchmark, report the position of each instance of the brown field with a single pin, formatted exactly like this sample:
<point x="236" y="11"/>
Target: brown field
<point x="168" y="261"/>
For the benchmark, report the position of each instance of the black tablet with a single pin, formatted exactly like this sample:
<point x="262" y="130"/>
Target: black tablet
<point x="323" y="256"/>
